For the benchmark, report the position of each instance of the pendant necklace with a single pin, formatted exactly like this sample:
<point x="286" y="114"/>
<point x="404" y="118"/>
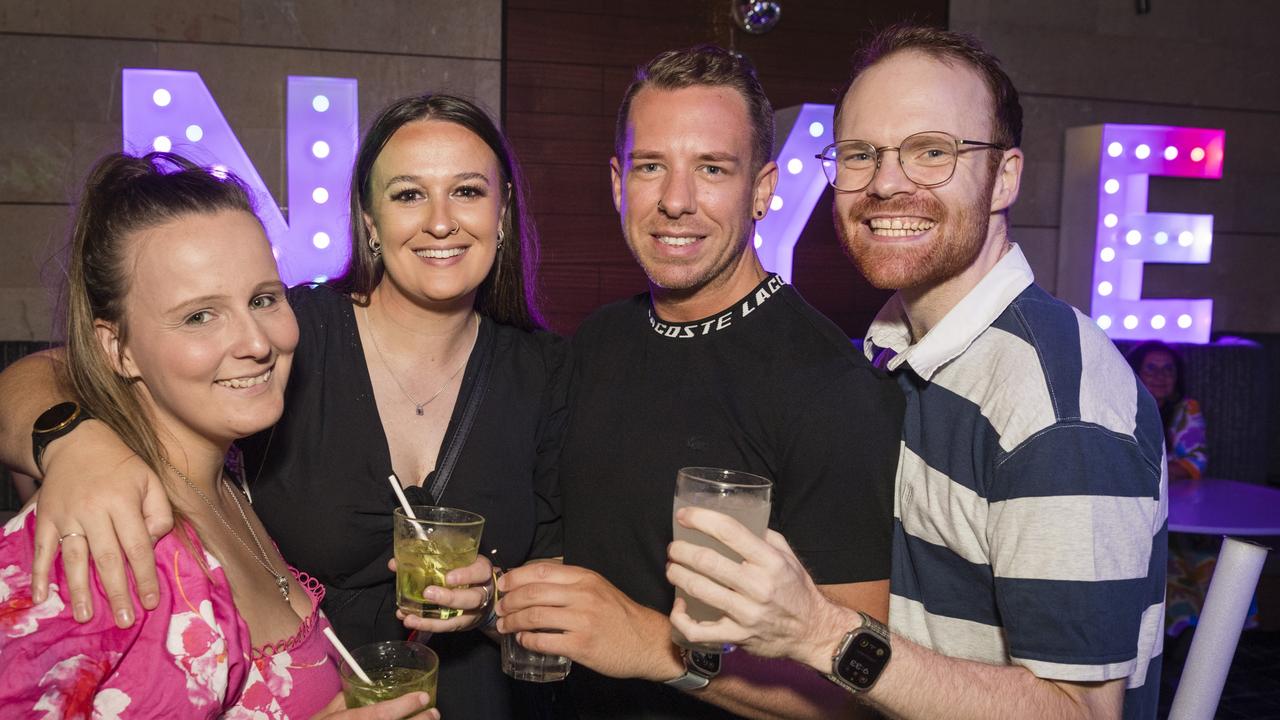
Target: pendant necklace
<point x="417" y="406"/>
<point x="282" y="581"/>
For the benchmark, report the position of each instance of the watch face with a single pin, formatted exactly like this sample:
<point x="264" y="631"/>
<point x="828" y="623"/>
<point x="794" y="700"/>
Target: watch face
<point x="56" y="417"/>
<point x="862" y="661"/>
<point x="707" y="664"/>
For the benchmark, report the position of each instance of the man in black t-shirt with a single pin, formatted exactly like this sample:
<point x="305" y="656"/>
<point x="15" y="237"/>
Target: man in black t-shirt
<point x="720" y="365"/>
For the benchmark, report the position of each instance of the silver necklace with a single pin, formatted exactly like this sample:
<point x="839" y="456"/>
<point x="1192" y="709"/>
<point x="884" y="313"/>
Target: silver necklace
<point x="282" y="582"/>
<point x="417" y="406"/>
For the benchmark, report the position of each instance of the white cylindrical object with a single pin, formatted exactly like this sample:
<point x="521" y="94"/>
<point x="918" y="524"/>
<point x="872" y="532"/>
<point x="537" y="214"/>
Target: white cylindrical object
<point x="1235" y="577"/>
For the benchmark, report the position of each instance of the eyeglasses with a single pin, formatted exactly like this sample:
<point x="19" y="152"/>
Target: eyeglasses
<point x="928" y="159"/>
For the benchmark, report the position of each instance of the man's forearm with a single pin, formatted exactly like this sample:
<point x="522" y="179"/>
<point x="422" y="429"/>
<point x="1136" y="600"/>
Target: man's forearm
<point x="29" y="387"/>
<point x="756" y="687"/>
<point x="920" y="683"/>
<point x="773" y="688"/>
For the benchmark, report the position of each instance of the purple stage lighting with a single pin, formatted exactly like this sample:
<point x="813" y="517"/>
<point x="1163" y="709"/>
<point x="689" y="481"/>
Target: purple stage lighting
<point x="173" y="110"/>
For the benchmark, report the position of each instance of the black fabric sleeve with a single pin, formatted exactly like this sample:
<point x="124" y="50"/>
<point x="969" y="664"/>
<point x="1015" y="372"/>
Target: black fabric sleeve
<point x="548" y="538"/>
<point x="835" y="499"/>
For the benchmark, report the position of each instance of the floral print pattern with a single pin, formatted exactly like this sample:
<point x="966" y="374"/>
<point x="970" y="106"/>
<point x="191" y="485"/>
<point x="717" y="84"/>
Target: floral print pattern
<point x="191" y="657"/>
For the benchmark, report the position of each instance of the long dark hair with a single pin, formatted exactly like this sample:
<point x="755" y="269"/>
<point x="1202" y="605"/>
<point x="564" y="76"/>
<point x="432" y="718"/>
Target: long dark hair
<point x="508" y="294"/>
<point x="1139" y="354"/>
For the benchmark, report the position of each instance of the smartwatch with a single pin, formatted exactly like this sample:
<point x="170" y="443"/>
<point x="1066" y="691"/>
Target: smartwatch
<point x="699" y="669"/>
<point x="861" y="656"/>
<point x="53" y="424"/>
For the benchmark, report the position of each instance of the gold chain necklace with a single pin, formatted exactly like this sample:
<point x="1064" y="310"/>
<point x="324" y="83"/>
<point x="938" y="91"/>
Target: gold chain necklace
<point x="417" y="406"/>
<point x="282" y="582"/>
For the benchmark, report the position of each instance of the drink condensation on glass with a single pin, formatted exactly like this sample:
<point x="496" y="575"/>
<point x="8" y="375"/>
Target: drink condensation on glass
<point x="522" y="663"/>
<point x="743" y="497"/>
<point x="396" y="668"/>
<point x="427" y="548"/>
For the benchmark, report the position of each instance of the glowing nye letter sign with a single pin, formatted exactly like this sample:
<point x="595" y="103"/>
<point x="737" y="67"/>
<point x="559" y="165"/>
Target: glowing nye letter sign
<point x="1108" y="235"/>
<point x="173" y="110"/>
<point x="801" y="182"/>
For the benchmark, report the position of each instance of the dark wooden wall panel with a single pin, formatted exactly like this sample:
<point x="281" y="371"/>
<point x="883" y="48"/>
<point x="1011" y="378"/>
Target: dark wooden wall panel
<point x="566" y="65"/>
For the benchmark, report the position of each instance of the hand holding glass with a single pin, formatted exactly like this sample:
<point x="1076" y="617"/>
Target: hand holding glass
<point x="440" y="539"/>
<point x="522" y="663"/>
<point x="743" y="497"/>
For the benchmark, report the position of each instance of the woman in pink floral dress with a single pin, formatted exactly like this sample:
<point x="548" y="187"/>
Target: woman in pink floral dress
<point x="179" y="340"/>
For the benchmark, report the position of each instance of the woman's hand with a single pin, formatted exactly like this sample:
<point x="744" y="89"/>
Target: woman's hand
<point x="99" y="499"/>
<point x="474" y="600"/>
<point x="401" y="707"/>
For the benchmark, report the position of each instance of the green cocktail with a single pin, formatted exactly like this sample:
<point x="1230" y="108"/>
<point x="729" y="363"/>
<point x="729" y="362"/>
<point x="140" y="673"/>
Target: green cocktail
<point x="426" y="549"/>
<point x="395" y="668"/>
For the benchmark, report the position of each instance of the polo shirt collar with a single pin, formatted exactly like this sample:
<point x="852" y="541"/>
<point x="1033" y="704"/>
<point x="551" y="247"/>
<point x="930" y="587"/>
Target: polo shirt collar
<point x="958" y="328"/>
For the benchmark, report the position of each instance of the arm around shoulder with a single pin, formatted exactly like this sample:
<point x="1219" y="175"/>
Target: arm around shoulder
<point x="29" y="386"/>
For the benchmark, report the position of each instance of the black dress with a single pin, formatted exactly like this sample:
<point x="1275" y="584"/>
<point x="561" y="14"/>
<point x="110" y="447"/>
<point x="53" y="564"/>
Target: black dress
<point x="319" y="484"/>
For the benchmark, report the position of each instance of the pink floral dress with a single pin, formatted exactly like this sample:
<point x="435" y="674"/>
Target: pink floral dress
<point x="189" y="658"/>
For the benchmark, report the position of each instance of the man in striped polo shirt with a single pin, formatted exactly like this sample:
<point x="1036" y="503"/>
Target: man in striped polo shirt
<point x="1030" y="530"/>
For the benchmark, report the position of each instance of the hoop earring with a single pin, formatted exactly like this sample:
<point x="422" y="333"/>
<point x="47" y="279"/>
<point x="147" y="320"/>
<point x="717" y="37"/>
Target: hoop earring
<point x="375" y="247"/>
<point x="501" y="239"/>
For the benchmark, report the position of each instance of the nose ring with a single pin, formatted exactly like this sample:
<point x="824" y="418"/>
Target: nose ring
<point x="455" y="229"/>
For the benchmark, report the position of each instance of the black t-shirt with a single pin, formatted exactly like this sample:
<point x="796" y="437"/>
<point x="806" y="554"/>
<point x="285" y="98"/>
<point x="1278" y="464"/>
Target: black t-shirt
<point x="319" y="482"/>
<point x="768" y="386"/>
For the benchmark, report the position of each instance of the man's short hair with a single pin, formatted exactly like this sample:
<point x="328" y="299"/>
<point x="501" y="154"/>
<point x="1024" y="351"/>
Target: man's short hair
<point x="704" y="65"/>
<point x="948" y="47"/>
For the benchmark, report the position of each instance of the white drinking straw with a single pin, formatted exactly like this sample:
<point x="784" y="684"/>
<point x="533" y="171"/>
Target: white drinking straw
<point x="342" y="650"/>
<point x="404" y="501"/>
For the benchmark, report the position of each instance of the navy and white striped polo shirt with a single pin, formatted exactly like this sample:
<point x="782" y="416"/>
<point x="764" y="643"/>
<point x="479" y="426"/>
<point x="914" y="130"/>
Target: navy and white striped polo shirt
<point x="1030" y="517"/>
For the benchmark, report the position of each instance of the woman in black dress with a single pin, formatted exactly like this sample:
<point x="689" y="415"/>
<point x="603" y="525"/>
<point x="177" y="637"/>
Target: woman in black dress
<point x="426" y="360"/>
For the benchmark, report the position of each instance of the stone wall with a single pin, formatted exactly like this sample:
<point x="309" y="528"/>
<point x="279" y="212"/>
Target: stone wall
<point x="1185" y="63"/>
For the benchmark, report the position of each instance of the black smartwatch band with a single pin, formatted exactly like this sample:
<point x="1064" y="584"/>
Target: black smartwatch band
<point x="52" y="424"/>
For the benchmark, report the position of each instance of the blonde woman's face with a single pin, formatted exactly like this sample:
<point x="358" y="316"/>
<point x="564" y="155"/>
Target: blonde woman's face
<point x="210" y="335"/>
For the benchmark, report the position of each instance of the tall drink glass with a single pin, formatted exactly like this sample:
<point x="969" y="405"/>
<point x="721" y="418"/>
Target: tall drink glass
<point x="440" y="539"/>
<point x="743" y="497"/>
<point x="396" y="668"/>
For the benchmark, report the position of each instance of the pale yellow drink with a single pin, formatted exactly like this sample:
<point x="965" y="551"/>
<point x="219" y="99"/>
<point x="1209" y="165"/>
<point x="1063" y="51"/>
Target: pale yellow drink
<point x="426" y="549"/>
<point x="396" y="668"/>
<point x="741" y="496"/>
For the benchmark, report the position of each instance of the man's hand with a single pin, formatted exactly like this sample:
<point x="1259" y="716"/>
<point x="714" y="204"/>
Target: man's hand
<point x="401" y="707"/>
<point x="474" y="600"/>
<point x="592" y="622"/>
<point x="103" y="500"/>
<point x="772" y="607"/>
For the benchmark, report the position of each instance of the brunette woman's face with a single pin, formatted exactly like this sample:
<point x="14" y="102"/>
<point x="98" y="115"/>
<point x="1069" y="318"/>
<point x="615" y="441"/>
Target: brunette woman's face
<point x="1159" y="372"/>
<point x="437" y="199"/>
<point x="210" y="337"/>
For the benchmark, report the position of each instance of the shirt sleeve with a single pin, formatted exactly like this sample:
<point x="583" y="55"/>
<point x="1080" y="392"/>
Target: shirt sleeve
<point x="1187" y="444"/>
<point x="834" y="495"/>
<point x="549" y="537"/>
<point x="1075" y="530"/>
